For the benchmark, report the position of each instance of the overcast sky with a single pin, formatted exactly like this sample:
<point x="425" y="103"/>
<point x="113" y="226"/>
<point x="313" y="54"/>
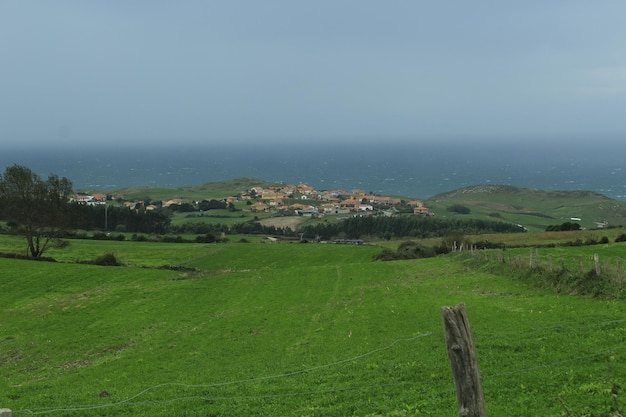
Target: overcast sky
<point x="150" y="71"/>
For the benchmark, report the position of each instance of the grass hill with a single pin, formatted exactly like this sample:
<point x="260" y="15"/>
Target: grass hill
<point x="218" y="189"/>
<point x="532" y="208"/>
<point x="293" y="329"/>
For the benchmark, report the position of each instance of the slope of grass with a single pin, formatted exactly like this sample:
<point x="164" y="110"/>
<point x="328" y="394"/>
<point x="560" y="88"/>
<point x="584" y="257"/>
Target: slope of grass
<point x="218" y="216"/>
<point x="535" y="209"/>
<point x="291" y="330"/>
<point x="220" y="189"/>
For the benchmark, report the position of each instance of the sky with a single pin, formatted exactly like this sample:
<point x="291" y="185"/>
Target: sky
<point x="145" y="72"/>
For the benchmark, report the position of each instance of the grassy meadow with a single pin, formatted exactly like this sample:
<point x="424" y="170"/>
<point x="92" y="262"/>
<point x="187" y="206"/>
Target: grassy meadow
<point x="291" y="329"/>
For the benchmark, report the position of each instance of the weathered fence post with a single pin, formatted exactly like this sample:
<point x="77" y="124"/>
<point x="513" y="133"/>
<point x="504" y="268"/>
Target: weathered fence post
<point x="469" y="392"/>
<point x="550" y="262"/>
<point x="580" y="265"/>
<point x="596" y="261"/>
<point x="5" y="412"/>
<point x="538" y="258"/>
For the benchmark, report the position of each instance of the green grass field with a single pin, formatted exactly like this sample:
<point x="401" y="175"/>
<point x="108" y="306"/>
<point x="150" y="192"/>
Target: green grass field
<point x="293" y="329"/>
<point x="218" y="216"/>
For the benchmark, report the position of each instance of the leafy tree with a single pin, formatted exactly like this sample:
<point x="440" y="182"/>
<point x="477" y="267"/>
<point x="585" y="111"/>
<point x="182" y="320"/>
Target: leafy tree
<point x="39" y="208"/>
<point x="206" y="205"/>
<point x="183" y="207"/>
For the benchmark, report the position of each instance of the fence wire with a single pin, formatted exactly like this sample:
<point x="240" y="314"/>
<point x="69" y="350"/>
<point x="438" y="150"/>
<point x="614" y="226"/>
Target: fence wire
<point x="421" y="380"/>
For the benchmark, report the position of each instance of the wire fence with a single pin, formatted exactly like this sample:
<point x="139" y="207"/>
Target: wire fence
<point x="484" y="341"/>
<point x="536" y="259"/>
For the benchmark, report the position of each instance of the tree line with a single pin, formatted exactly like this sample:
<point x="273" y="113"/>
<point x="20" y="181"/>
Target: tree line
<point x="404" y="226"/>
<point x="127" y="220"/>
<point x="43" y="210"/>
<point x="379" y="227"/>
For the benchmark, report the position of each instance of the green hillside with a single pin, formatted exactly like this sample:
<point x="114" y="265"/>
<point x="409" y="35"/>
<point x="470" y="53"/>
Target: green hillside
<point x="289" y="329"/>
<point x="532" y="208"/>
<point x="219" y="189"/>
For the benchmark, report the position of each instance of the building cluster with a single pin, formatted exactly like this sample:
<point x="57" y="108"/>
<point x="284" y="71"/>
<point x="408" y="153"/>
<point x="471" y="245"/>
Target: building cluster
<point x="333" y="201"/>
<point x="91" y="200"/>
<point x="280" y="199"/>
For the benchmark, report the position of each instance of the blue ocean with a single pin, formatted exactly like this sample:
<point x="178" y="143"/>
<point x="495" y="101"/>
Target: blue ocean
<point x="405" y="169"/>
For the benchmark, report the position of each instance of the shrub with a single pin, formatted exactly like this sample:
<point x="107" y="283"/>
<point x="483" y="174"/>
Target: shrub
<point x="406" y="250"/>
<point x="563" y="227"/>
<point x="385" y="255"/>
<point x="459" y="208"/>
<point x="138" y="238"/>
<point x="207" y="238"/>
<point x="414" y="250"/>
<point x="100" y="236"/>
<point x="107" y="259"/>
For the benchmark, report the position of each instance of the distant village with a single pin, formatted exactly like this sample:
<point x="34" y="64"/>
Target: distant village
<point x="280" y="200"/>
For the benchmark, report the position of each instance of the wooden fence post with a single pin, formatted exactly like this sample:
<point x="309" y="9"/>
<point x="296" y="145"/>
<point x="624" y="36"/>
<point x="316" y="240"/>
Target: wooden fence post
<point x="538" y="257"/>
<point x="596" y="262"/>
<point x="469" y="392"/>
<point x="550" y="261"/>
<point x="580" y="265"/>
<point x="5" y="412"/>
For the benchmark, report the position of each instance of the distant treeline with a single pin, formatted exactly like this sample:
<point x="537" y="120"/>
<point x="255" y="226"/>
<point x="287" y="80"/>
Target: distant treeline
<point x="134" y="221"/>
<point x="244" y="228"/>
<point x="379" y="227"/>
<point x="362" y="227"/>
<point x="406" y="226"/>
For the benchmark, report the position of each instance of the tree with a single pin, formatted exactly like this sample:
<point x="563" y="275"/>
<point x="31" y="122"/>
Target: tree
<point x="206" y="205"/>
<point x="567" y="226"/>
<point x="38" y="207"/>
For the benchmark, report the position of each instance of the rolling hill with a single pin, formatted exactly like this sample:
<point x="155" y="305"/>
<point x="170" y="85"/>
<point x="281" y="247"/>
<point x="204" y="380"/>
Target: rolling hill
<point x="532" y="208"/>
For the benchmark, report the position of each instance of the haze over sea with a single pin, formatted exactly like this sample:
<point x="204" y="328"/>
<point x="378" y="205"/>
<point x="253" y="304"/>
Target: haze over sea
<point x="393" y="168"/>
